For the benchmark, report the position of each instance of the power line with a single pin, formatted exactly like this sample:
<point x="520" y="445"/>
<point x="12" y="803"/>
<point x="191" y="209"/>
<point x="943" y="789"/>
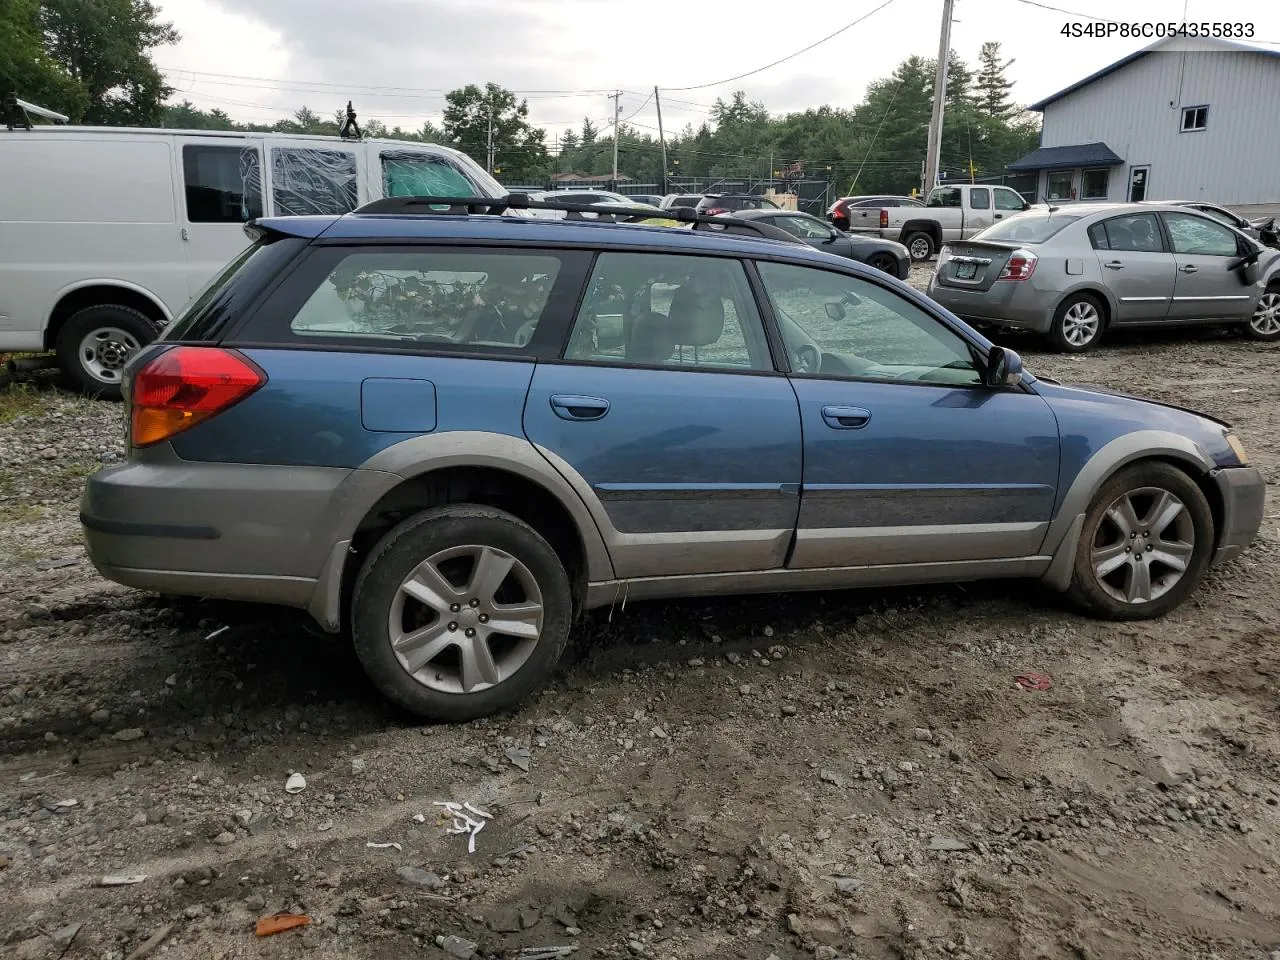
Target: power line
<point x="790" y="56"/>
<point x="638" y="109"/>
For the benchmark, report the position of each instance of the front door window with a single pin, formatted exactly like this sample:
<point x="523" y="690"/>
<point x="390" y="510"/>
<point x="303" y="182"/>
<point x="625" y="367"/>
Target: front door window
<point x="834" y="325"/>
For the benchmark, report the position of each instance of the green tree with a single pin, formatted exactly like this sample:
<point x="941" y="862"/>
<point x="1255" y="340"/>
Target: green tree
<point x="105" y="45"/>
<point x="992" y="85"/>
<point x="518" y="147"/>
<point x="26" y="69"/>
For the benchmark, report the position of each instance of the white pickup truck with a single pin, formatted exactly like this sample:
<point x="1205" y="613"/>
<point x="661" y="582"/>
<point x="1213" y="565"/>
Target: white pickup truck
<point x="950" y="213"/>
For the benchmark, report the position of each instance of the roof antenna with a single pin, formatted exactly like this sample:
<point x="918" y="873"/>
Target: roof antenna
<point x="350" y="129"/>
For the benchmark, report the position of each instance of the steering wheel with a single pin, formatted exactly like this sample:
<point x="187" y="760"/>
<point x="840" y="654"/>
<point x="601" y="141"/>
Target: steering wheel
<point x="807" y="359"/>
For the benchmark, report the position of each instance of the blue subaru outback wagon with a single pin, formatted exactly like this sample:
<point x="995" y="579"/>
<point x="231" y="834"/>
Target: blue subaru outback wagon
<point x="452" y="432"/>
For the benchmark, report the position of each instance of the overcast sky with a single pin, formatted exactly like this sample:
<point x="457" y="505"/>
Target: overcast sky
<point x="262" y="59"/>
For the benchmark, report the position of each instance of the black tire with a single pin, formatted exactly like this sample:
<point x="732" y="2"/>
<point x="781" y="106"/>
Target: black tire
<point x="1266" y="326"/>
<point x="1088" y="590"/>
<point x="113" y="351"/>
<point x="885" y="262"/>
<point x="1064" y="333"/>
<point x="920" y="245"/>
<point x="406" y="547"/>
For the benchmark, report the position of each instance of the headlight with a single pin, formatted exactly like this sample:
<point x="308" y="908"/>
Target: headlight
<point x="1237" y="448"/>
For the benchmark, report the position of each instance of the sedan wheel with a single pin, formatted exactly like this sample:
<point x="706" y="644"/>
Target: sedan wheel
<point x="1077" y="324"/>
<point x="883" y="262"/>
<point x="1265" y="322"/>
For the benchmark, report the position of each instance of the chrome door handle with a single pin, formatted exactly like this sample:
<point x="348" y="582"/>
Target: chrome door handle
<point x="846" y="418"/>
<point x="1189" y="268"/>
<point x="1114" y="265"/>
<point x="579" y="408"/>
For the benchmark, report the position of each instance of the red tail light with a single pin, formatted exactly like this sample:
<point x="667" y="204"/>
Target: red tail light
<point x="1020" y="266"/>
<point x="884" y="218"/>
<point x="716" y="211"/>
<point x="185" y="386"/>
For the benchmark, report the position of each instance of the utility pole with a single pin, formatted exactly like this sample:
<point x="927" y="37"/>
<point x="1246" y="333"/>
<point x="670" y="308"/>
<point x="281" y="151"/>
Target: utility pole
<point x="489" y="152"/>
<point x="661" y="139"/>
<point x="933" y="156"/>
<point x="616" y="96"/>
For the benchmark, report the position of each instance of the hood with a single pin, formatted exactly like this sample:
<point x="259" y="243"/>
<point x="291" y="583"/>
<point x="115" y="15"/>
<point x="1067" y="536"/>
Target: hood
<point x="1130" y="396"/>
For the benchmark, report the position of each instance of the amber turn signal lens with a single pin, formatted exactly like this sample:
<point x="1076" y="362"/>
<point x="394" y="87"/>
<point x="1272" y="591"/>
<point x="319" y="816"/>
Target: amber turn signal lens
<point x="183" y="386"/>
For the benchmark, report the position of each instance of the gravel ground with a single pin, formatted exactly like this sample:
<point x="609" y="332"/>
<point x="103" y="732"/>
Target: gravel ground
<point x="830" y="775"/>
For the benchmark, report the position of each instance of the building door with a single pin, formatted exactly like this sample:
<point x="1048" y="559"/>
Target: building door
<point x="1138" y="183"/>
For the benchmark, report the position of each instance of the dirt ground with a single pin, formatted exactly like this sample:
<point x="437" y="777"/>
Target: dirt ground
<point x="828" y="775"/>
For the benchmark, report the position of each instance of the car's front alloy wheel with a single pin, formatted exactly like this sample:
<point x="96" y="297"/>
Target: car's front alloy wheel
<point x="1265" y="322"/>
<point x="460" y="611"/>
<point x="1146" y="542"/>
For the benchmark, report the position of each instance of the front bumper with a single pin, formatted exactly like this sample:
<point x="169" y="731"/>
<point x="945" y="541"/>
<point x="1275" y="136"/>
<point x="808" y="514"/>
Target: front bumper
<point x="1244" y="493"/>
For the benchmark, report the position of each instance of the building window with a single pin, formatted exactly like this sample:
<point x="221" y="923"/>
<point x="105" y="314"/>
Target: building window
<point x="1059" y="187"/>
<point x="1094" y="184"/>
<point x="1194" y="118"/>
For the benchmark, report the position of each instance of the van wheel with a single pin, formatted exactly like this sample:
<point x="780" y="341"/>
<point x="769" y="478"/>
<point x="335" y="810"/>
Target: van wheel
<point x="1265" y="322"/>
<point x="461" y="611"/>
<point x="1146" y="543"/>
<point x="95" y="344"/>
<point x="1077" y="324"/>
<point x="920" y="245"/>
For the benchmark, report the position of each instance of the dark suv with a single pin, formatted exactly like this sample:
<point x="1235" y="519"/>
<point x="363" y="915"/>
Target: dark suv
<point x="452" y="432"/>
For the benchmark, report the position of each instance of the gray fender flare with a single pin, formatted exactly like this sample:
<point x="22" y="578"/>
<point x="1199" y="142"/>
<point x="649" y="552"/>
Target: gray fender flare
<point x="1064" y="532"/>
<point x="416" y="456"/>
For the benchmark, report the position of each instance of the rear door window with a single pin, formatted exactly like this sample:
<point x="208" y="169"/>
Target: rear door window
<point x="979" y="198"/>
<point x="1137" y="233"/>
<point x="306" y="181"/>
<point x="945" y="197"/>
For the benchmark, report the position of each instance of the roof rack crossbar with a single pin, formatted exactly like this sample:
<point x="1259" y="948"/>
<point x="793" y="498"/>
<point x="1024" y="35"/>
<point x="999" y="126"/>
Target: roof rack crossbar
<point x="471" y="206"/>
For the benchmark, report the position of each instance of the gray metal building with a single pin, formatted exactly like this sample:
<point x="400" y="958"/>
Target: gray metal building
<point x="1182" y="119"/>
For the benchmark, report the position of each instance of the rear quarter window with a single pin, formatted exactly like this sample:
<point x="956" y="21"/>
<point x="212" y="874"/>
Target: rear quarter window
<point x="490" y="301"/>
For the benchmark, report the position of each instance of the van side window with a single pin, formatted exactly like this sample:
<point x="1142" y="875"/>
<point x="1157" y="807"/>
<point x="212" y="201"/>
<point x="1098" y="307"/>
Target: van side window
<point x="223" y="184"/>
<point x="409" y="174"/>
<point x="305" y="181"/>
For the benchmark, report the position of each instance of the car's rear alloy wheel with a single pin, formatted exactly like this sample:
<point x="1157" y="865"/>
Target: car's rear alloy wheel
<point x="1265" y="322"/>
<point x="461" y="611"/>
<point x="1145" y="544"/>
<point x="1077" y="324"/>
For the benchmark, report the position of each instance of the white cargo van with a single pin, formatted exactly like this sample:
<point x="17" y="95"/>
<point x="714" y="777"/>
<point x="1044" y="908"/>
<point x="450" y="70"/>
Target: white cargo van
<point x="106" y="233"/>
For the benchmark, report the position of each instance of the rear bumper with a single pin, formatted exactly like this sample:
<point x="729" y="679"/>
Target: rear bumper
<point x="1007" y="304"/>
<point x="1244" y="493"/>
<point x="263" y="534"/>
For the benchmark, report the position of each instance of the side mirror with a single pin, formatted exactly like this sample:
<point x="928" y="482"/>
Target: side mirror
<point x="835" y="311"/>
<point x="1026" y="205"/>
<point x="1004" y="368"/>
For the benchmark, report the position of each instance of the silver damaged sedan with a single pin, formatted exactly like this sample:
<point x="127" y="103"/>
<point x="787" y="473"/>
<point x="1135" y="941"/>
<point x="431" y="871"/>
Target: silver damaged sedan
<point x="1074" y="271"/>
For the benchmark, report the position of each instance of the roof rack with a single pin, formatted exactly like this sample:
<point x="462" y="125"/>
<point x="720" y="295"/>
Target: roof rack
<point x="496" y="206"/>
<point x="18" y="113"/>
